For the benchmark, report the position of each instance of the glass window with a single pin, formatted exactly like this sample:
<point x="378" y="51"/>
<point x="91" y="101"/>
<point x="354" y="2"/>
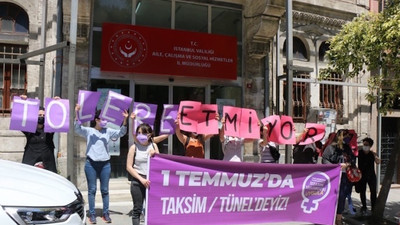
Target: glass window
<point x="299" y="49"/>
<point x="116" y="11"/>
<point x="22" y="23"/>
<point x="13" y="18"/>
<point x="96" y="49"/>
<point x="7" y="25"/>
<point x="191" y="17"/>
<point x="153" y="13"/>
<point x="227" y="22"/>
<point x="323" y="48"/>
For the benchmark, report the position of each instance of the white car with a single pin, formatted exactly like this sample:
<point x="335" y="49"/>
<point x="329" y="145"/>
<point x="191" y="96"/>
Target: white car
<point x="31" y="195"/>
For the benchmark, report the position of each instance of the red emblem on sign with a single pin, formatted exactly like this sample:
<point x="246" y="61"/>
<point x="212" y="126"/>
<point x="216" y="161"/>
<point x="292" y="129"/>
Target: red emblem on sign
<point x="127" y="48"/>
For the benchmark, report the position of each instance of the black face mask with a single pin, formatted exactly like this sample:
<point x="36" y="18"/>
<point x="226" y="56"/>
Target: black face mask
<point x="41" y="120"/>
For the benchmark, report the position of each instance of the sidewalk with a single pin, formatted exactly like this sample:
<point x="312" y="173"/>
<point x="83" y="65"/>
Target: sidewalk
<point x="121" y="206"/>
<point x="391" y="209"/>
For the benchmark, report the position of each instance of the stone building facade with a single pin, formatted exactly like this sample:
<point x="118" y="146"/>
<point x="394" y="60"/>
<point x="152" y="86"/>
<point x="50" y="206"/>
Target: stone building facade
<point x="259" y="84"/>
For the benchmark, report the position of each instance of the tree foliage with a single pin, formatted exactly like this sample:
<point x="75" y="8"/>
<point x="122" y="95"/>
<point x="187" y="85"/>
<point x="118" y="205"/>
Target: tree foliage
<point x="371" y="42"/>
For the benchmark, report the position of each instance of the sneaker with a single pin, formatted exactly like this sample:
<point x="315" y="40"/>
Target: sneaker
<point x="92" y="219"/>
<point x="106" y="218"/>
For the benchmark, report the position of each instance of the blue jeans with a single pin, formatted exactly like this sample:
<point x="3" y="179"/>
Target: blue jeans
<point x="344" y="190"/>
<point x="94" y="170"/>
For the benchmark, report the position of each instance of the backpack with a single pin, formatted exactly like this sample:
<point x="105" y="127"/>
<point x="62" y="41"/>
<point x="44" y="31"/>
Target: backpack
<point x="304" y="154"/>
<point x="274" y="152"/>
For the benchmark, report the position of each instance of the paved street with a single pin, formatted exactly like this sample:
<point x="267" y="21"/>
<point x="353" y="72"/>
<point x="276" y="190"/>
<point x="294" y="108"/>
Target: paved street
<point x="121" y="205"/>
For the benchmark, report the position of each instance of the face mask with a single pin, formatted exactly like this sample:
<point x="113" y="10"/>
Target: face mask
<point x="142" y="138"/>
<point x="41" y="120"/>
<point x="103" y="123"/>
<point x="366" y="148"/>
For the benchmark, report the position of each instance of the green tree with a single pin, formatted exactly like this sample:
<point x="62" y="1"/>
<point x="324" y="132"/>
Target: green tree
<point x="371" y="42"/>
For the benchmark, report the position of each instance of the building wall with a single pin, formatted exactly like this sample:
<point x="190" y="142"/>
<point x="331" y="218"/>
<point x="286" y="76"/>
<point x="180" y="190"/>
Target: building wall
<point x="260" y="26"/>
<point x="14" y="141"/>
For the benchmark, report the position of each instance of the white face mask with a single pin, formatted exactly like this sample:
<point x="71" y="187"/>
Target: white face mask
<point x="366" y="148"/>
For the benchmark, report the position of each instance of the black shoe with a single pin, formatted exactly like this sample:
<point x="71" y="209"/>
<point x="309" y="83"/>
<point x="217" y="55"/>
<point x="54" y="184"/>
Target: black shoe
<point x="363" y="211"/>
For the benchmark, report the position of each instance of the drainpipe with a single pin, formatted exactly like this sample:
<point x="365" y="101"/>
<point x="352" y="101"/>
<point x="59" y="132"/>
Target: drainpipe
<point x="289" y="71"/>
<point x="71" y="175"/>
<point x="43" y="56"/>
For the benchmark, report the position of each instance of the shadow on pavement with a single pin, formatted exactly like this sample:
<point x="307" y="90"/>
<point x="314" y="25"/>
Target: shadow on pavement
<point x="390" y="215"/>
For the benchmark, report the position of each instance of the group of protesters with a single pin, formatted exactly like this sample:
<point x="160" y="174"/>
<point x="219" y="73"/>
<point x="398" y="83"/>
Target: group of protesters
<point x="336" y="150"/>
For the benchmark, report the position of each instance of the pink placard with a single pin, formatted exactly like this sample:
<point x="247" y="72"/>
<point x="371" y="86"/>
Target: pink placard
<point x="232" y="120"/>
<point x="274" y="126"/>
<point x="288" y="136"/>
<point x="249" y="127"/>
<point x="189" y="113"/>
<point x="207" y="123"/>
<point x="315" y="133"/>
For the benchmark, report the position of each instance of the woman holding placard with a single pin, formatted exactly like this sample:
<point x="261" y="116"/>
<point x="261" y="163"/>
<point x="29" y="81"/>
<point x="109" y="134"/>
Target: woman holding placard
<point x="98" y="158"/>
<point x="137" y="164"/>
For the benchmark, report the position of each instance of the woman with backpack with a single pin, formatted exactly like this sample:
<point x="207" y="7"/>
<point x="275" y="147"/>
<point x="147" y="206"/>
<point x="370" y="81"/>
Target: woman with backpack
<point x="267" y="150"/>
<point x="339" y="152"/>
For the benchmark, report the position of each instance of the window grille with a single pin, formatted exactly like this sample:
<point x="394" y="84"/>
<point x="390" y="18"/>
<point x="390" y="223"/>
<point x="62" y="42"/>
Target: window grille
<point x="12" y="76"/>
<point x="331" y="96"/>
<point x="301" y="98"/>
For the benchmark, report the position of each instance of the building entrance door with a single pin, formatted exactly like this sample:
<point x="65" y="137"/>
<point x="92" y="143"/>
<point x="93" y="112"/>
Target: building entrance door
<point x="160" y="95"/>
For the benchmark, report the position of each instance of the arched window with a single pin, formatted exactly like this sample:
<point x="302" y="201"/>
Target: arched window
<point x="14" y="27"/>
<point x="323" y="48"/>
<point x="299" y="49"/>
<point x="13" y="19"/>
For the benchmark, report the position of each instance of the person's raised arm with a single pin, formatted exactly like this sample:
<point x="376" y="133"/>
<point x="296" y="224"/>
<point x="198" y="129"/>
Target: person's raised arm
<point x="81" y="131"/>
<point x="301" y="136"/>
<point x="181" y="137"/>
<point x="265" y="138"/>
<point x="160" y="138"/>
<point x="222" y="130"/>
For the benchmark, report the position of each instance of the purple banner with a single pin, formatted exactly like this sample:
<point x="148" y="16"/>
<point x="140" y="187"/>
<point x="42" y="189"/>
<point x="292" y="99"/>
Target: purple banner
<point x="57" y="115"/>
<point x="24" y="114"/>
<point x="168" y="118"/>
<point x="88" y="101"/>
<point x="145" y="113"/>
<point x="114" y="106"/>
<point x="186" y="190"/>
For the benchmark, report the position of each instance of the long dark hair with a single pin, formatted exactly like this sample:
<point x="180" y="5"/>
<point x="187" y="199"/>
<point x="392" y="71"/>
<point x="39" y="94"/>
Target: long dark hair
<point x="96" y="116"/>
